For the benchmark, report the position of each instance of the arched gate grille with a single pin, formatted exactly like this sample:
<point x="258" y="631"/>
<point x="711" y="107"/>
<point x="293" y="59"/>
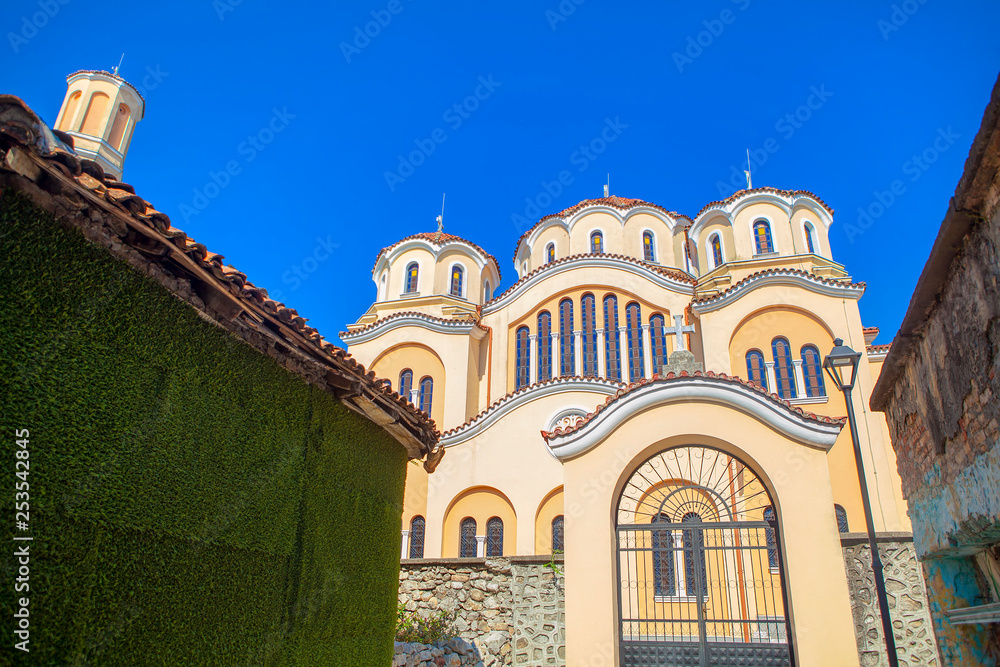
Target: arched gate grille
<point x="699" y="564"/>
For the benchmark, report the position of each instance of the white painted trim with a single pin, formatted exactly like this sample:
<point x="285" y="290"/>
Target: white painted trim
<point x="590" y="241"/>
<point x="642" y="248"/>
<point x="406" y="277"/>
<point x="808" y="282"/>
<point x="789" y="204"/>
<point x="708" y="251"/>
<point x="480" y="261"/>
<point x="805" y="239"/>
<point x="753" y="236"/>
<point x="563" y="412"/>
<point x="465" y="280"/>
<point x="463" y="327"/>
<point x="808" y="400"/>
<point x="555" y="250"/>
<point x="811" y="433"/>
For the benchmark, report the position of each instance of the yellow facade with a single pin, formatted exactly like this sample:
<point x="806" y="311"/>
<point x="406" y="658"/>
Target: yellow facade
<point x="526" y="443"/>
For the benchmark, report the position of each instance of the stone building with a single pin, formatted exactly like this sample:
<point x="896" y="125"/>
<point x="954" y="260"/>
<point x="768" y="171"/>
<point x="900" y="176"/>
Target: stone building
<point x="940" y="391"/>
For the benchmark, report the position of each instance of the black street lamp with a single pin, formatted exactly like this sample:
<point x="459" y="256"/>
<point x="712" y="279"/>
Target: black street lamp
<point x="842" y="367"/>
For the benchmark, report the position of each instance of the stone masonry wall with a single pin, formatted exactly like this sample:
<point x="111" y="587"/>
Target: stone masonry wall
<point x="908" y="606"/>
<point x="510" y="609"/>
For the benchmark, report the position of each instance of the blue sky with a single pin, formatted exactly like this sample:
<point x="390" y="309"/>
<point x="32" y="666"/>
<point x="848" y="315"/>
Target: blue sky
<point x="897" y="93"/>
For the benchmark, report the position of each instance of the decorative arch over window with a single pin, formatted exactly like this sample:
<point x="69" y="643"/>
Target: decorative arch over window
<point x="405" y="383"/>
<point x="567" y="360"/>
<point x="94" y="118"/>
<point x="426" y="394"/>
<point x="612" y="358"/>
<point x="494" y="537"/>
<point x="664" y="574"/>
<point x="716" y="243"/>
<point x="550" y="253"/>
<point x="841" y="519"/>
<point x="412" y="272"/>
<point x="467" y="538"/>
<point x="756" y="371"/>
<point x="658" y="342"/>
<point x="810" y="242"/>
<point x="457" y="274"/>
<point x="118" y="127"/>
<point x="589" y="319"/>
<point x="596" y="243"/>
<point x="417" y="529"/>
<point x="762" y="237"/>
<point x="71" y="106"/>
<point x="812" y="371"/>
<point x="522" y="374"/>
<point x="633" y="333"/>
<point x="772" y="547"/>
<point x="784" y="376"/>
<point x="648" y="247"/>
<point x="558" y="534"/>
<point x="544" y="346"/>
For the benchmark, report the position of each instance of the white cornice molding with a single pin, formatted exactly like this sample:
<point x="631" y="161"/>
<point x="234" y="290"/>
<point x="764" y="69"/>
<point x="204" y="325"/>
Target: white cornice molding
<point x="428" y="322"/>
<point x="788" y="203"/>
<point x="699" y="389"/>
<point x="587" y="262"/>
<point x="809" y="282"/>
<point x="435" y="249"/>
<point x="484" y="420"/>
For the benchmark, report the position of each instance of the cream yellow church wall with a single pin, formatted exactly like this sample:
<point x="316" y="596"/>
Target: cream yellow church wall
<point x="472" y="279"/>
<point x="556" y="234"/>
<point x="584" y="226"/>
<point x="663" y="245"/>
<point x="415" y="495"/>
<point x="481" y="503"/>
<point x="425" y="278"/>
<point x="781" y="231"/>
<point x="821" y="236"/>
<point x="823" y="628"/>
<point x="719" y="225"/>
<point x="424" y="361"/>
<point x="551" y="507"/>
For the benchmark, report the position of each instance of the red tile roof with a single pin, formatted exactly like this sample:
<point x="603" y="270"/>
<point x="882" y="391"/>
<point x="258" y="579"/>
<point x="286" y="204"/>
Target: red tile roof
<point x="875" y="349"/>
<point x="775" y="272"/>
<point x="413" y="313"/>
<point x="439" y="239"/>
<point x="773" y="191"/>
<point x="34" y="161"/>
<point x="671" y="377"/>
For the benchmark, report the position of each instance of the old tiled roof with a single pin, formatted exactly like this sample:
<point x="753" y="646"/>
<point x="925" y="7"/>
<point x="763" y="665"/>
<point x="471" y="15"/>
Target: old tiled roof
<point x="42" y="165"/>
<point x="870" y="329"/>
<point x="773" y="191"/>
<point x="438" y="239"/>
<point x="412" y="313"/>
<point x="876" y="349"/>
<point x="620" y="203"/>
<point x="108" y="74"/>
<point x="671" y="377"/>
<point x="775" y="272"/>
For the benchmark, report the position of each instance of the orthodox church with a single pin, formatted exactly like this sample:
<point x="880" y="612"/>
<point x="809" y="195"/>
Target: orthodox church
<point x="648" y="398"/>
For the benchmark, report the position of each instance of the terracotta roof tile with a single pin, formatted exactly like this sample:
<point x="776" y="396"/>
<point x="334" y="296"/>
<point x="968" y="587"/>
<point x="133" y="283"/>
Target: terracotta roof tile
<point x="439" y="239"/>
<point x="875" y="349"/>
<point x="413" y="313"/>
<point x="775" y="272"/>
<point x="774" y="191"/>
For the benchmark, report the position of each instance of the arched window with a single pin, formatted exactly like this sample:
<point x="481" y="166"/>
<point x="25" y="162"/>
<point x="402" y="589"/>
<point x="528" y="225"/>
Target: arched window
<point x="494" y="537"/>
<point x="633" y="333"/>
<point x="612" y="360"/>
<point x="405" y="383"/>
<point x="694" y="545"/>
<point x="648" y="249"/>
<point x="522" y="374"/>
<point x="558" y="534"/>
<point x="426" y="394"/>
<point x="716" y="243"/>
<point x="93" y="121"/>
<point x="486" y="292"/>
<point x="756" y="371"/>
<point x="467" y="538"/>
<point x="544" y="346"/>
<point x="567" y="359"/>
<point x="762" y="237"/>
<point x="382" y="292"/>
<point x="118" y="128"/>
<point x="810" y="244"/>
<point x="411" y="278"/>
<point x="417" y="525"/>
<point x="812" y="371"/>
<point x="658" y="341"/>
<point x="664" y="576"/>
<point x="550" y="252"/>
<point x="456" y="280"/>
<point x="784" y="376"/>
<point x="841" y="519"/>
<point x="597" y="243"/>
<point x="772" y="548"/>
<point x="589" y="317"/>
<point x="71" y="106"/>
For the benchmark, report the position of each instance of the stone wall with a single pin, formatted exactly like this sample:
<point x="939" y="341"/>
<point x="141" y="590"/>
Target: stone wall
<point x="510" y="609"/>
<point x="452" y="653"/>
<point x="904" y="584"/>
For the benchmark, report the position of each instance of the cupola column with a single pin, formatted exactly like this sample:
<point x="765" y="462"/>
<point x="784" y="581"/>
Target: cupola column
<point x="647" y="350"/>
<point x="533" y="363"/>
<point x="623" y="356"/>
<point x="578" y="353"/>
<point x="602" y="368"/>
<point x="772" y="383"/>
<point x="800" y="380"/>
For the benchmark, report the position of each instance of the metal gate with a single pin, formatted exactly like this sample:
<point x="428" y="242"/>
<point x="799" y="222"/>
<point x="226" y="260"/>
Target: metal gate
<point x="699" y="565"/>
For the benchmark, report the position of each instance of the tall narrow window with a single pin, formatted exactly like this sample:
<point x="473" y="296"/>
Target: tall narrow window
<point x="664" y="576"/>
<point x="467" y="538"/>
<point x="784" y="376"/>
<point x="558" y="534"/>
<point x="841" y="519"/>
<point x="658" y="341"/>
<point x="550" y="252"/>
<point x="589" y="317"/>
<point x="716" y="251"/>
<point x="118" y="127"/>
<point x="93" y="121"/>
<point x="494" y="537"/>
<point x="633" y="333"/>
<point x="612" y="358"/>
<point x="812" y="371"/>
<point x="71" y="107"/>
<point x="417" y="526"/>
<point x="456" y="280"/>
<point x="597" y="243"/>
<point x="405" y="383"/>
<point x="810" y="245"/>
<point x="522" y="374"/>
<point x="567" y="359"/>
<point x="772" y="547"/>
<point x="544" y="346"/>
<point x="426" y="394"/>
<point x="412" y="272"/>
<point x="756" y="370"/>
<point x="762" y="237"/>
<point x="694" y="555"/>
<point x="648" y="249"/>
<point x="487" y="292"/>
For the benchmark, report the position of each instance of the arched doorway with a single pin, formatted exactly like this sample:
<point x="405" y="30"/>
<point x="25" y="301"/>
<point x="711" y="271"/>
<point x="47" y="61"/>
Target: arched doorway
<point x="699" y="564"/>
